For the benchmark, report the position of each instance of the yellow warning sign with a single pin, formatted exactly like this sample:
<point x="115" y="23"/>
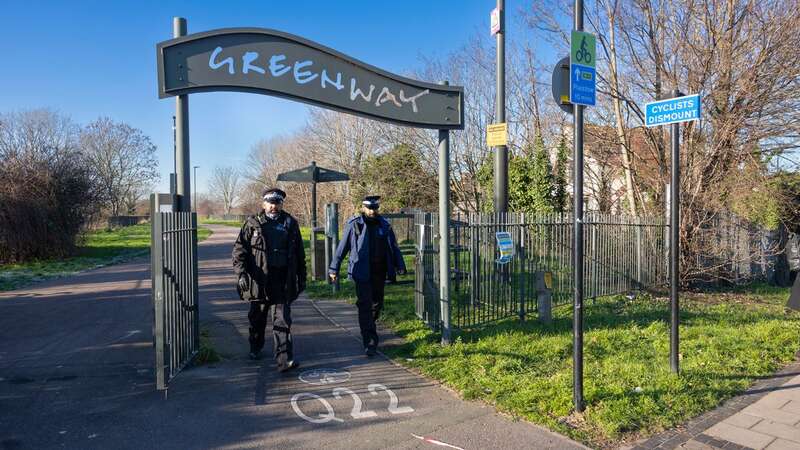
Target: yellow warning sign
<point x="497" y="134"/>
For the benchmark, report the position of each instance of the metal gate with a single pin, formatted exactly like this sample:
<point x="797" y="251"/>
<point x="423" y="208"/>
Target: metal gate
<point x="176" y="332"/>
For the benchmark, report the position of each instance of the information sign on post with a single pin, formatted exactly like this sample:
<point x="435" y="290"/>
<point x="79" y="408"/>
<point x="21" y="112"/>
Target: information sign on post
<point x="582" y="78"/>
<point x="505" y="245"/>
<point x="679" y="108"/>
<point x="497" y="134"/>
<point x="672" y="110"/>
<point x="494" y="19"/>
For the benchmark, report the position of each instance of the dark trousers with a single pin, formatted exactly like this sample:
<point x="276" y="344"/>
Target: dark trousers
<point x="370" y="304"/>
<point x="281" y="318"/>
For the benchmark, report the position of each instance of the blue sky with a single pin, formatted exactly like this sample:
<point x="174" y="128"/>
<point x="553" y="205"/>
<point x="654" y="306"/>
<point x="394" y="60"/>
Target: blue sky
<point x="97" y="58"/>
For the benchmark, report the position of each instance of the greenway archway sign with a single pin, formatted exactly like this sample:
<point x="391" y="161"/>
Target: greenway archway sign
<point x="275" y="63"/>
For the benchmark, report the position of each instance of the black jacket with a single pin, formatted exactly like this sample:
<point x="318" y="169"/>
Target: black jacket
<point x="250" y="257"/>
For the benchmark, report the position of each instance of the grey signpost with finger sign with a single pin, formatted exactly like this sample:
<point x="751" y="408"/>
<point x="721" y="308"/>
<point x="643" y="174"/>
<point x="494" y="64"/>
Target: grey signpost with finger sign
<point x="314" y="174"/>
<point x="680" y="108"/>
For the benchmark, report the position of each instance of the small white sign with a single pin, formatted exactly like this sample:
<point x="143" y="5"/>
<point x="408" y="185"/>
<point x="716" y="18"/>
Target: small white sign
<point x="494" y="19"/>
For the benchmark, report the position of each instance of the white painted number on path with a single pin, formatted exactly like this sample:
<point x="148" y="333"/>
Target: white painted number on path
<point x="322" y="418"/>
<point x="356" y="412"/>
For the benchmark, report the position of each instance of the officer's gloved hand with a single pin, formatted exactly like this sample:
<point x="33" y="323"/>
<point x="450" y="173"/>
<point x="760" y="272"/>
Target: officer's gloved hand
<point x="401" y="271"/>
<point x="244" y="283"/>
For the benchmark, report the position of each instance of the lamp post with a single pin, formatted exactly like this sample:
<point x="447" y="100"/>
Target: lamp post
<point x="195" y="188"/>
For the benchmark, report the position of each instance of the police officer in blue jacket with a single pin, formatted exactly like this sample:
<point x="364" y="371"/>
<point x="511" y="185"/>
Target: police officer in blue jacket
<point x="374" y="258"/>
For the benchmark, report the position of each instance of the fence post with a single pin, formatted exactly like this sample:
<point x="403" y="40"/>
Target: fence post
<point x="522" y="275"/>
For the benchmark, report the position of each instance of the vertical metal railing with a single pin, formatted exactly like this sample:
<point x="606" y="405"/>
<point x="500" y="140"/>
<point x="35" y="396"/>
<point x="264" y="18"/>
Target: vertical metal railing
<point x="175" y="293"/>
<point x="621" y="254"/>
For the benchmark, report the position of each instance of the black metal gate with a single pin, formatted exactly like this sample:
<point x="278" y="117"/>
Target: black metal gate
<point x="176" y="332"/>
<point x="622" y="254"/>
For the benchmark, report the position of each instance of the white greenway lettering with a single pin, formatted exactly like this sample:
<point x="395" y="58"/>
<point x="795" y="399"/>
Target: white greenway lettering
<point x="356" y="412"/>
<point x="393" y="408"/>
<point x="276" y="68"/>
<point x="413" y="98"/>
<point x="217" y="65"/>
<point x="355" y="91"/>
<point x="322" y="418"/>
<point x="303" y="76"/>
<point x="304" y="72"/>
<point x="247" y="59"/>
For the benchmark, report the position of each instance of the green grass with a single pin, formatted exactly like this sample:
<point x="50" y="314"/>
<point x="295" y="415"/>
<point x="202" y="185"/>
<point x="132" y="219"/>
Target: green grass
<point x="207" y="353"/>
<point x="96" y="249"/>
<point x="728" y="340"/>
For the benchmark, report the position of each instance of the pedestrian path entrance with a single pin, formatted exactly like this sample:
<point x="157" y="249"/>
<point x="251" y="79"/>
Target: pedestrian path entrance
<point x="227" y="60"/>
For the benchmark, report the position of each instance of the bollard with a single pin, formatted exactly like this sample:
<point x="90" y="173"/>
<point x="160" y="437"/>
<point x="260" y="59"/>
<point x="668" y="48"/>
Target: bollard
<point x="544" y="296"/>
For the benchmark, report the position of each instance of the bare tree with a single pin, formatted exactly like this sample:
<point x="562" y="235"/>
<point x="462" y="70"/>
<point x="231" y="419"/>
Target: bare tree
<point x="224" y="186"/>
<point x="124" y="160"/>
<point x="48" y="190"/>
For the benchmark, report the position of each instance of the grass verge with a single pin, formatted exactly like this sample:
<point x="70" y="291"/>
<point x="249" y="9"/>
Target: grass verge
<point x="728" y="340"/>
<point x="97" y="249"/>
<point x="230" y="223"/>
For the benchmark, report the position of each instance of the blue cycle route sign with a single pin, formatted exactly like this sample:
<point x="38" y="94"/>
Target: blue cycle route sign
<point x="582" y="75"/>
<point x="673" y="110"/>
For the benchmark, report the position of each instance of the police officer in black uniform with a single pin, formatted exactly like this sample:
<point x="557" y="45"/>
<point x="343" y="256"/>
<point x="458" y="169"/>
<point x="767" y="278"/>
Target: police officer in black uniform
<point x="374" y="258"/>
<point x="269" y="262"/>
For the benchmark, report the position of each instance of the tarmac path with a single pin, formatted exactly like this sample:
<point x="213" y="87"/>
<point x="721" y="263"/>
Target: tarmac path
<point x="76" y="371"/>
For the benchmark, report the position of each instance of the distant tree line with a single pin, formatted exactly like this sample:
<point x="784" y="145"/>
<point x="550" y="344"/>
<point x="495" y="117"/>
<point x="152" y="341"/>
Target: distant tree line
<point x="57" y="177"/>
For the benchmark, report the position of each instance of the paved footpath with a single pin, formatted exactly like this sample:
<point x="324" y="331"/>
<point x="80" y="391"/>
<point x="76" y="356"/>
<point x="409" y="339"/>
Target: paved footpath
<point x="766" y="416"/>
<point x="76" y="371"/>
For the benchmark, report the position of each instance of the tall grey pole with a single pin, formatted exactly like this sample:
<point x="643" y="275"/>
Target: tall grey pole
<point x="172" y="183"/>
<point x="182" y="133"/>
<point x="444" y="231"/>
<point x="194" y="195"/>
<point x="674" y="250"/>
<point x="335" y="241"/>
<point x="313" y="195"/>
<point x="577" y="301"/>
<point x="501" y="152"/>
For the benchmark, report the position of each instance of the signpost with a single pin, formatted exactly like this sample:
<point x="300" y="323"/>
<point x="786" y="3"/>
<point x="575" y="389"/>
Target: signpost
<point x="501" y="151"/>
<point x="581" y="56"/>
<point x="497" y="135"/>
<point x="679" y="108"/>
<point x="559" y="84"/>
<point x="313" y="174"/>
<point x="583" y="79"/>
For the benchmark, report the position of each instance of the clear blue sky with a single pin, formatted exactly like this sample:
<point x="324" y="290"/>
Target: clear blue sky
<point x="97" y="58"/>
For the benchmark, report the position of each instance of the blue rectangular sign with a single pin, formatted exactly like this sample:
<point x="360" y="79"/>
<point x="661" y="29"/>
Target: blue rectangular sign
<point x="505" y="245"/>
<point x="673" y="110"/>
<point x="582" y="85"/>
